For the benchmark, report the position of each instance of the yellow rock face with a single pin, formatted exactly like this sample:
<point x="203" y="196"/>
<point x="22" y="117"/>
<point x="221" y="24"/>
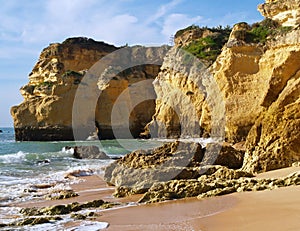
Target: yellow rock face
<point x="286" y="12"/>
<point x="259" y="86"/>
<point x="46" y="113"/>
<point x="274" y="140"/>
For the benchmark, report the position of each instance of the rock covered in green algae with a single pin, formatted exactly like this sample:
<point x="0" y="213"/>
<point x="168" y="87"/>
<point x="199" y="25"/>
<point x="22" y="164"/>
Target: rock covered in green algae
<point x="78" y="216"/>
<point x="60" y="195"/>
<point x="214" y="171"/>
<point x="49" y="214"/>
<point x="66" y="209"/>
<point x="34" y="221"/>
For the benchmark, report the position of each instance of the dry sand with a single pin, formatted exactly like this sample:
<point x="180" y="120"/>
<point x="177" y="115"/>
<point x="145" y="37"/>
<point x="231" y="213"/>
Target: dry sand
<point x="265" y="210"/>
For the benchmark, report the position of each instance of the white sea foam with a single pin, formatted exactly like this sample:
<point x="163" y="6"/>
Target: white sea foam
<point x="90" y="226"/>
<point x="13" y="158"/>
<point x="202" y="141"/>
<point x="68" y="150"/>
<point x="44" y="227"/>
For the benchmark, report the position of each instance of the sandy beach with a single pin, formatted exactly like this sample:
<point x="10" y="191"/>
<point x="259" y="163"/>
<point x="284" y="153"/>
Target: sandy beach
<point x="264" y="210"/>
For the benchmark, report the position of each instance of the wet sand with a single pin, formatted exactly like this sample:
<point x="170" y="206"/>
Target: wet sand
<point x="90" y="188"/>
<point x="265" y="210"/>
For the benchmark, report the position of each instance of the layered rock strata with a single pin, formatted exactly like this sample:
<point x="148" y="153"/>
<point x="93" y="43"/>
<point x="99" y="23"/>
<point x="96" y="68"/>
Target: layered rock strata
<point x="47" y="112"/>
<point x="179" y="170"/>
<point x="136" y="172"/>
<point x="241" y="88"/>
<point x="256" y="74"/>
<point x="285" y="12"/>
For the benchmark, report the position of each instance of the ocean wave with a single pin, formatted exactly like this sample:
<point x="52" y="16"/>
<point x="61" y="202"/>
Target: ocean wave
<point x="202" y="141"/>
<point x="90" y="226"/>
<point x="13" y="158"/>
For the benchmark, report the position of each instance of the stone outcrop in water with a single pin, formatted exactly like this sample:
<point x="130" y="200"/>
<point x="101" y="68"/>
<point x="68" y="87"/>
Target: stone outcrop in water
<point x="89" y="152"/>
<point x="46" y="113"/>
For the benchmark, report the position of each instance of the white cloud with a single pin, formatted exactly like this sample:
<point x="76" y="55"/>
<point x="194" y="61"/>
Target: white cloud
<point x="164" y="9"/>
<point x="174" y="22"/>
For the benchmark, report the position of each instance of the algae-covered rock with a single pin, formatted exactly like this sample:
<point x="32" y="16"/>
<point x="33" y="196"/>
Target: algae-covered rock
<point x="216" y="184"/>
<point x="60" y="195"/>
<point x="218" y="180"/>
<point x="78" y="216"/>
<point x="33" y="221"/>
<point x="66" y="209"/>
<point x="56" y="210"/>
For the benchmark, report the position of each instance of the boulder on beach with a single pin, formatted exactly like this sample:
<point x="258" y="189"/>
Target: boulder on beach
<point x="88" y="152"/>
<point x="137" y="171"/>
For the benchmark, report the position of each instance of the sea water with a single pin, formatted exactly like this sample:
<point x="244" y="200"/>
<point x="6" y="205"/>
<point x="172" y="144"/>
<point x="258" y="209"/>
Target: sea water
<point x="25" y="164"/>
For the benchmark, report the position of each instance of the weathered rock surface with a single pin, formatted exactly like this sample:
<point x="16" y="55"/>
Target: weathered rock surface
<point x="139" y="170"/>
<point x="250" y="93"/>
<point x="227" y="155"/>
<point x="65" y="209"/>
<point x="46" y="113"/>
<point x="274" y="140"/>
<point x="61" y="194"/>
<point x="34" y="216"/>
<point x="223" y="181"/>
<point x="257" y="79"/>
<point x="89" y="152"/>
<point x="285" y="12"/>
<point x="127" y="101"/>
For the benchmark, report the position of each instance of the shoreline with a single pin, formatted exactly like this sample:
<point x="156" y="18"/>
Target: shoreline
<point x="237" y="211"/>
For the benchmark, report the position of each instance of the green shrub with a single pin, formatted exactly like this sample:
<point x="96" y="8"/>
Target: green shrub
<point x="262" y="31"/>
<point x="208" y="48"/>
<point x="180" y="32"/>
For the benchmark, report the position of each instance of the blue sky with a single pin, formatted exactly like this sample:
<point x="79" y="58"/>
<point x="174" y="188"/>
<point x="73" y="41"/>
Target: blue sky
<point x="27" y="26"/>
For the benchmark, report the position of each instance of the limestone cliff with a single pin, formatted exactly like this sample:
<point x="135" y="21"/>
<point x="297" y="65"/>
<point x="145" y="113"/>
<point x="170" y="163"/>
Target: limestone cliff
<point x="274" y="140"/>
<point x="257" y="74"/>
<point x="286" y="12"/>
<point x="46" y="113"/>
<point x="238" y="85"/>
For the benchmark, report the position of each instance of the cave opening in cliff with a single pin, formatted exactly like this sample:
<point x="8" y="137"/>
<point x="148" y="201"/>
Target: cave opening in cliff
<point x="127" y="105"/>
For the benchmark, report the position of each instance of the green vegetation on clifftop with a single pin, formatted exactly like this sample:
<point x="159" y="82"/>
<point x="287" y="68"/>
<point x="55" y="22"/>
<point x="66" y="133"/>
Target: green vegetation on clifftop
<point x="208" y="47"/>
<point x="260" y="32"/>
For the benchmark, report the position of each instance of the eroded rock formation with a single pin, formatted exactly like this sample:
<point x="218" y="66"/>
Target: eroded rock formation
<point x="286" y="12"/>
<point x="257" y="75"/>
<point x="239" y="86"/>
<point x="136" y="172"/>
<point x="49" y="97"/>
